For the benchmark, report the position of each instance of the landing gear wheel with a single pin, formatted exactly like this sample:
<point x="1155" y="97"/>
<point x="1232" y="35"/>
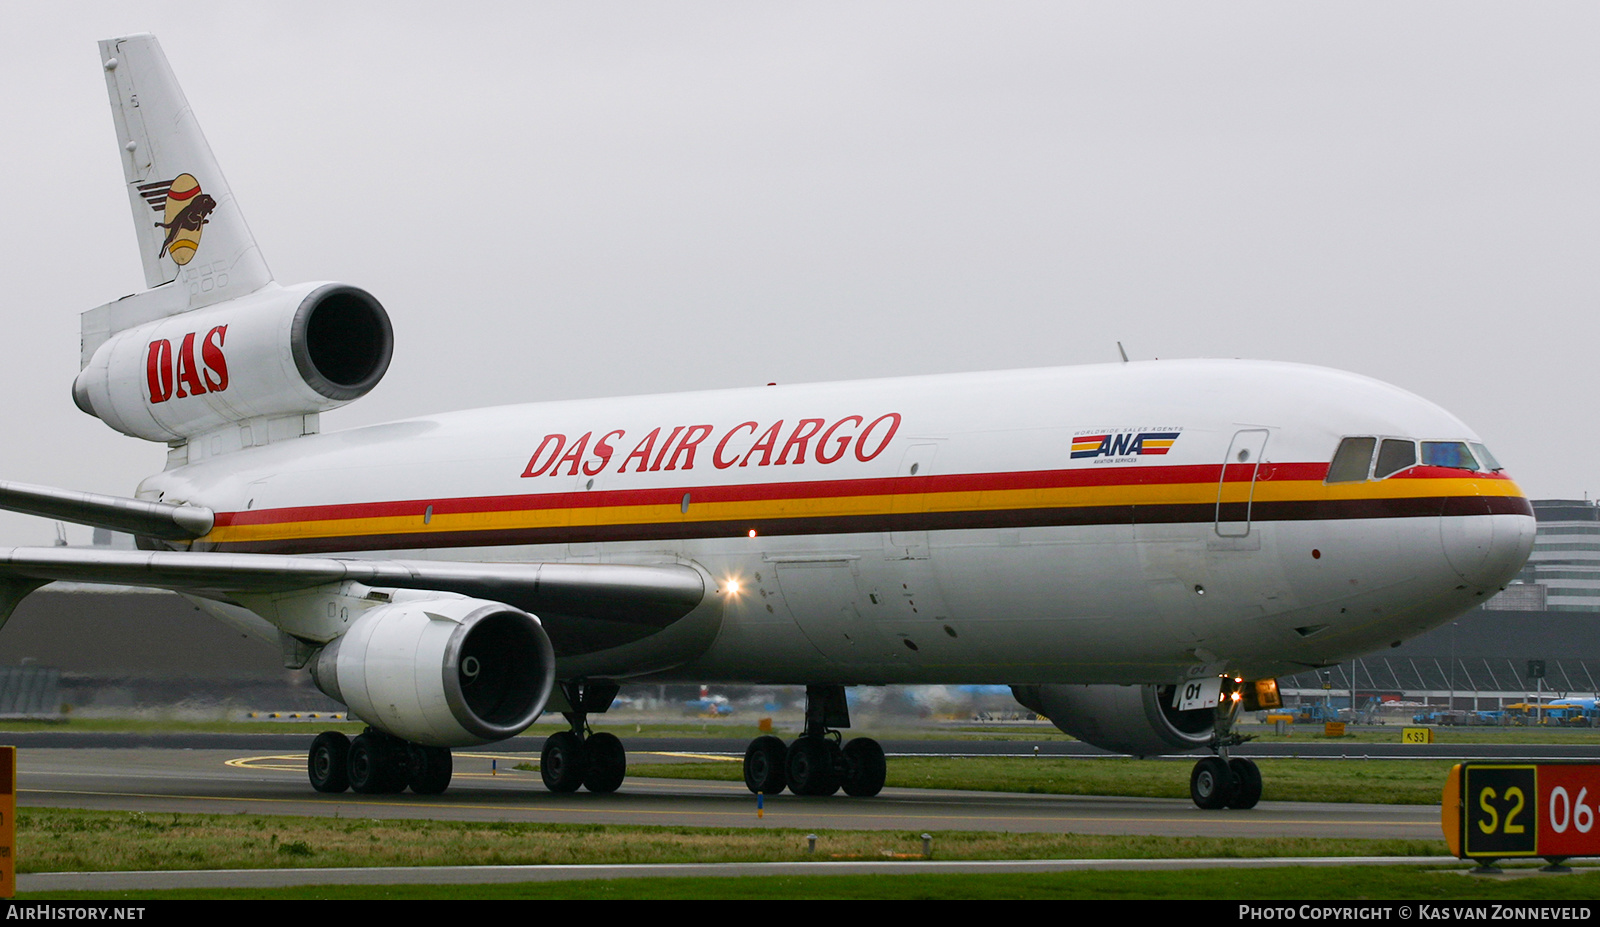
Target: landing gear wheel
<point x="1211" y="785"/>
<point x="563" y="763"/>
<point x="764" y="762"/>
<point x="814" y="765"/>
<point x="1247" y="783"/>
<point x="608" y="763"/>
<point x="328" y="762"/>
<point x="865" y="768"/>
<point x="375" y="766"/>
<point x="427" y="769"/>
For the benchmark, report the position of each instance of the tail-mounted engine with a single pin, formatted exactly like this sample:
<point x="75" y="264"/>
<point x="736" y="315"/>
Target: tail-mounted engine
<point x="275" y="353"/>
<point x="1123" y="719"/>
<point x="441" y="670"/>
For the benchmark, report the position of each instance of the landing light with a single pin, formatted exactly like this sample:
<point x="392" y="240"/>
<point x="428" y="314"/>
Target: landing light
<point x="731" y="587"/>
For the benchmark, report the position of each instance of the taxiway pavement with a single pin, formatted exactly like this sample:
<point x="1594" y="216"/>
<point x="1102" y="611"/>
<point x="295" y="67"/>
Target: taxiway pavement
<point x="265" y="774"/>
<point x="487" y="787"/>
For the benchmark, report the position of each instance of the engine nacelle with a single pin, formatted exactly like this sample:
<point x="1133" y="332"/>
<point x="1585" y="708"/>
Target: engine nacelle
<point x="1123" y="719"/>
<point x="441" y="670"/>
<point x="279" y="351"/>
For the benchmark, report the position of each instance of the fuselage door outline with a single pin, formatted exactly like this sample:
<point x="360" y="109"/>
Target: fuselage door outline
<point x="1243" y="459"/>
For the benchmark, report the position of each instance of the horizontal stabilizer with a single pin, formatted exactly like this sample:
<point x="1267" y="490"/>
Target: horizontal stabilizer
<point x="647" y="596"/>
<point x="162" y="520"/>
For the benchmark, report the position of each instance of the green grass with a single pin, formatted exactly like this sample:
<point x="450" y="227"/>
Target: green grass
<point x="1281" y="884"/>
<point x="1390" y="734"/>
<point x="746" y="728"/>
<point x="66" y="840"/>
<point x="73" y="840"/>
<point x="70" y="840"/>
<point x="688" y="727"/>
<point x="169" y="726"/>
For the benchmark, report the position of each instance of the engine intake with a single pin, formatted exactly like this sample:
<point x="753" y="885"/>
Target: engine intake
<point x="440" y="670"/>
<point x="1123" y="719"/>
<point x="342" y="341"/>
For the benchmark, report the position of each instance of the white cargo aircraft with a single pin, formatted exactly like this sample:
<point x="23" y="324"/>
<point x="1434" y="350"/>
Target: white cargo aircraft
<point x="1138" y="549"/>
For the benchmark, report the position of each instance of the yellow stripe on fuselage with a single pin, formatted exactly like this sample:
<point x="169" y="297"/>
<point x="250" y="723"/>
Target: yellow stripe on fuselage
<point x="1146" y="494"/>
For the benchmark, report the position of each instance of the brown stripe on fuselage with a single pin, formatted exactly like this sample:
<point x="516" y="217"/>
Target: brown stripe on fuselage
<point x="1066" y="516"/>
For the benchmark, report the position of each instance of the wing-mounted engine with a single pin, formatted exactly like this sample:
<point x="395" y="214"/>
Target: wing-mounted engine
<point x="441" y="670"/>
<point x="280" y="353"/>
<point x="1124" y="719"/>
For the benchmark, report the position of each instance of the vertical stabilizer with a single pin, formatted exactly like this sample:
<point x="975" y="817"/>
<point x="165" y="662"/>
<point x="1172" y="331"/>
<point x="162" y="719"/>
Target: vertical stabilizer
<point x="189" y="228"/>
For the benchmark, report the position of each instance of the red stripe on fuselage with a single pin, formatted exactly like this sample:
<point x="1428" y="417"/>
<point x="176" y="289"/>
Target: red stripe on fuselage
<point x="747" y="492"/>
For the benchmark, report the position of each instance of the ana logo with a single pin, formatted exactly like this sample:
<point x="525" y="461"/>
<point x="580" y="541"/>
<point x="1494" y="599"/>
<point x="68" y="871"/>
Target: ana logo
<point x="1113" y="444"/>
<point x="186" y="378"/>
<point x="185" y="209"/>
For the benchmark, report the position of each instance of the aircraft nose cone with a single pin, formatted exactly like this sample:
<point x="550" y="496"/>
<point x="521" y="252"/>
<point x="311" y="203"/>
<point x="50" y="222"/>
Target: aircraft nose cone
<point x="1486" y="548"/>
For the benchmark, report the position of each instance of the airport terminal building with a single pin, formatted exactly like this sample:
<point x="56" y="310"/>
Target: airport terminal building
<point x="1548" y="618"/>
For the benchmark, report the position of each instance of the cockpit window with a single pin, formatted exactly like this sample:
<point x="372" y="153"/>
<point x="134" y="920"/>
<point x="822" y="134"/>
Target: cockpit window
<point x="1448" y="454"/>
<point x="1394" y="455"/>
<point x="1485" y="458"/>
<point x="1352" y="461"/>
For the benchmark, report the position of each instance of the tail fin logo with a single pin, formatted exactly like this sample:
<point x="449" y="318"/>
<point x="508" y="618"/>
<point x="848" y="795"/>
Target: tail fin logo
<point x="186" y="209"/>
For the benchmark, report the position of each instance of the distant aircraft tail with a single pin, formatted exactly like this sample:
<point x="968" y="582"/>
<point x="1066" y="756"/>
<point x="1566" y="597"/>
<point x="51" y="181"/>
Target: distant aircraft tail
<point x="188" y="225"/>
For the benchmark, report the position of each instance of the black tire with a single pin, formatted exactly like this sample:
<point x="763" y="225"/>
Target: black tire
<point x="563" y="762"/>
<point x="835" y="755"/>
<point x="865" y="768"/>
<point x="1211" y="783"/>
<point x="375" y="766"/>
<point x="608" y="763"/>
<point x="1247" y="784"/>
<point x="813" y="766"/>
<point x="764" y="762"/>
<point x="328" y="762"/>
<point x="428" y="769"/>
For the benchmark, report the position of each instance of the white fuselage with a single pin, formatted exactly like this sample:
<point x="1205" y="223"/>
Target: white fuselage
<point x="1031" y="526"/>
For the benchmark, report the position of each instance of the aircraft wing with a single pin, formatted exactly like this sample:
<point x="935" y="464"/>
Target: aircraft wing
<point x="644" y="597"/>
<point x="583" y="606"/>
<point x="134" y="516"/>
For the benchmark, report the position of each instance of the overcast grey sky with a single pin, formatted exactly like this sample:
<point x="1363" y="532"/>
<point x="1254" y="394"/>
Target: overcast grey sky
<point x="560" y="200"/>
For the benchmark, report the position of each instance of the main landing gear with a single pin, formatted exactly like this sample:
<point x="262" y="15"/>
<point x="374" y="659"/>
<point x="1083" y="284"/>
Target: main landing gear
<point x="375" y="763"/>
<point x="579" y="757"/>
<point x="816" y="764"/>
<point x="1218" y="781"/>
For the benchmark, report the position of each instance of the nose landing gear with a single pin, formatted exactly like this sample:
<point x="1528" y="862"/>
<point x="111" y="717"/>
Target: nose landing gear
<point x="1220" y="781"/>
